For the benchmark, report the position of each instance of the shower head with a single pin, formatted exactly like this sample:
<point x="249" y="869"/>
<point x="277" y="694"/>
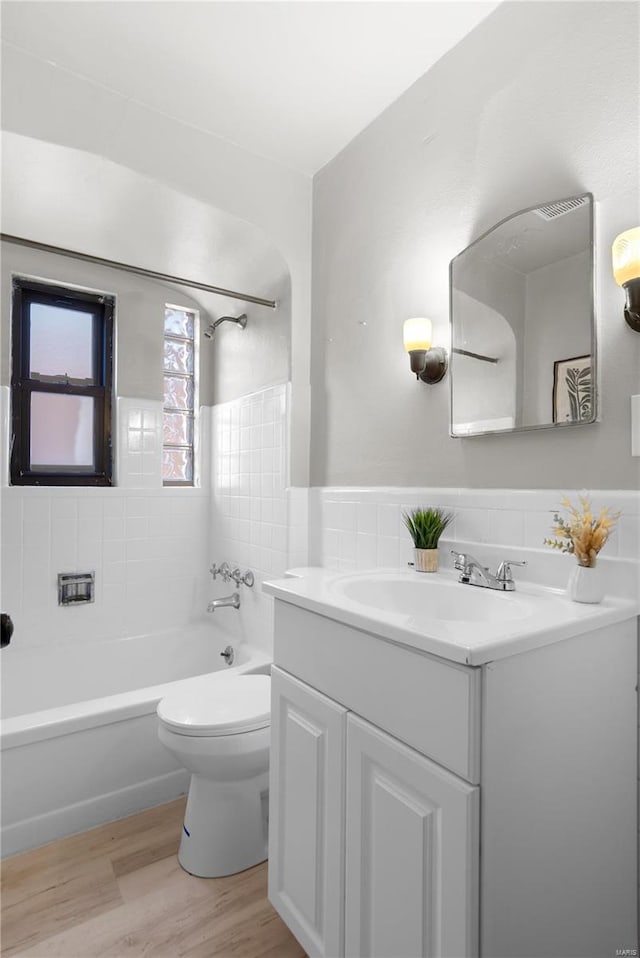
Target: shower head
<point x="240" y="321"/>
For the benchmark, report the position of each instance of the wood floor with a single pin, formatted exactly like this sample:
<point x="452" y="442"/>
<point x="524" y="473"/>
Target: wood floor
<point x="118" y="890"/>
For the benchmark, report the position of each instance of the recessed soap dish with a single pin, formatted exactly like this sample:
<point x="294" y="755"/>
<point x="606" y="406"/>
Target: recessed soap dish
<point x="75" y="588"/>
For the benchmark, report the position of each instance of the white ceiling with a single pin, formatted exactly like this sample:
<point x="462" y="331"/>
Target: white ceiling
<point x="291" y="81"/>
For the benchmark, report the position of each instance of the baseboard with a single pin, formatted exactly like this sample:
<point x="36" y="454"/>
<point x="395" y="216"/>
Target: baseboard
<point x="62" y="822"/>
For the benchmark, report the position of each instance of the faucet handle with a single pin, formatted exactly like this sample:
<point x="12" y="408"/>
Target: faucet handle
<point x="459" y="560"/>
<point x="242" y="578"/>
<point x="215" y="571"/>
<point x="504" y="569"/>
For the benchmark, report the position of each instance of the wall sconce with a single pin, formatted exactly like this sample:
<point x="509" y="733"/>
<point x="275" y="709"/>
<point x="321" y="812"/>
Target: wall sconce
<point x="428" y="362"/>
<point x="626" y="270"/>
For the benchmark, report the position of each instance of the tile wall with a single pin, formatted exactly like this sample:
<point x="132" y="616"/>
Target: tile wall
<point x="352" y="528"/>
<point x="251" y="504"/>
<point x="146" y="544"/>
<point x="249" y="474"/>
<point x="151" y="547"/>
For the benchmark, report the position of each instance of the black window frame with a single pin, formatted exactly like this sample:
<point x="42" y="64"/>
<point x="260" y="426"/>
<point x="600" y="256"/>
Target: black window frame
<point x="25" y="293"/>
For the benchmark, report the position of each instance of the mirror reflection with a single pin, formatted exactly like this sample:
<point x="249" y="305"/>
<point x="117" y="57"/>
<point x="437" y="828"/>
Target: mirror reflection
<point x="522" y="323"/>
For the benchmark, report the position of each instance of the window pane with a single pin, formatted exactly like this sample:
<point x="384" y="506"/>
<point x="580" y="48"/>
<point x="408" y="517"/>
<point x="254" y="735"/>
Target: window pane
<point x="178" y="392"/>
<point x="178" y="322"/>
<point x="61" y="431"/>
<point x="177" y="465"/>
<point x="61" y="343"/>
<point x="178" y="357"/>
<point x="178" y="429"/>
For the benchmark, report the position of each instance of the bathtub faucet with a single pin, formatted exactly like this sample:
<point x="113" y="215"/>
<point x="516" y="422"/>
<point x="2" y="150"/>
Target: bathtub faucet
<point x="232" y="601"/>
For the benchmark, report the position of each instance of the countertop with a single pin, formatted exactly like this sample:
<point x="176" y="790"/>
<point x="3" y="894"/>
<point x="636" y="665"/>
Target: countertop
<point x="515" y="622"/>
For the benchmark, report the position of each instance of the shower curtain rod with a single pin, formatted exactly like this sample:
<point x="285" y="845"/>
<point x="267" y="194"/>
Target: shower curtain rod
<point x="138" y="270"/>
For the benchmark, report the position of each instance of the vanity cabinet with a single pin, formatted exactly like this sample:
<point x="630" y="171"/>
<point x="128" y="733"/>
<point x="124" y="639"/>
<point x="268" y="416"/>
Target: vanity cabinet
<point x="391" y="768"/>
<point x="349" y="800"/>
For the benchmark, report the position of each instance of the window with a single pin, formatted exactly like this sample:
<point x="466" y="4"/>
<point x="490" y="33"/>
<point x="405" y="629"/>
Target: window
<point x="61" y="382"/>
<point x="180" y="396"/>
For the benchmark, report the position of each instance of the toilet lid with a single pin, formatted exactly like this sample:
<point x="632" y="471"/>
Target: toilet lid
<point x="239" y="703"/>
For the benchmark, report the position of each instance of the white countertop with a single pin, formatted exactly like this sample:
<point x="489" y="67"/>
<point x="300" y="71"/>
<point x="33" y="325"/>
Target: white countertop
<point x="514" y="622"/>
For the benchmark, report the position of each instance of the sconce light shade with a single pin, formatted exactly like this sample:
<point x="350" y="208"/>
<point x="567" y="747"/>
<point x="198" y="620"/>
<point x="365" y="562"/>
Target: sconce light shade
<point x="427" y="362"/>
<point x="416" y="333"/>
<point x="626" y="270"/>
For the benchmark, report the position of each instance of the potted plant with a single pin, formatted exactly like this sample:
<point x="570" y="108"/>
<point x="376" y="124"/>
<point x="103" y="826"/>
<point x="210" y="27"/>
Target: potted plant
<point x="583" y="534"/>
<point x="425" y="527"/>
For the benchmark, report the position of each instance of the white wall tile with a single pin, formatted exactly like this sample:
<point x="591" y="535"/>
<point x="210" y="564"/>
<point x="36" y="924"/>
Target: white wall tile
<point x="139" y="426"/>
<point x="388" y="519"/>
<point x="506" y="526"/>
<point x="388" y="551"/>
<point x="62" y="509"/>
<point x="366" y="550"/>
<point x="629" y="536"/>
<point x="115" y="532"/>
<point x="113" y="507"/>
<point x="367" y="522"/>
<point x="472" y="524"/>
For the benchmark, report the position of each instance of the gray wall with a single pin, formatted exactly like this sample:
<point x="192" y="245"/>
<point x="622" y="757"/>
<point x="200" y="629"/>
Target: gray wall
<point x="245" y="360"/>
<point x="539" y="102"/>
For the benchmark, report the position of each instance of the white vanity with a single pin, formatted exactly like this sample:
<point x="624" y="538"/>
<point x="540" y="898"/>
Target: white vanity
<point x="453" y="772"/>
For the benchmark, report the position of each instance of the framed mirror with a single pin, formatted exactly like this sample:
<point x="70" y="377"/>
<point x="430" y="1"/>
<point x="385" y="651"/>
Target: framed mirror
<point x="523" y="338"/>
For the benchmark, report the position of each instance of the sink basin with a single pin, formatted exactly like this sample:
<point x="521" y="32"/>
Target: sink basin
<point x="422" y="597"/>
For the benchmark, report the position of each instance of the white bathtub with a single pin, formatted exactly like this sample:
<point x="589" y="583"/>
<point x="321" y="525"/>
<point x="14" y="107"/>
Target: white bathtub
<point x="78" y="743"/>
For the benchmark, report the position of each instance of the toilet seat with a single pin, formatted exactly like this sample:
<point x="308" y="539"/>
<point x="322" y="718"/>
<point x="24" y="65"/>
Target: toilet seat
<point x="240" y="703"/>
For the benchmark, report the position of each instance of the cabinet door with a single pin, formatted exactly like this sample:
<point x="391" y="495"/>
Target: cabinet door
<point x="411" y="852"/>
<point x="306" y="826"/>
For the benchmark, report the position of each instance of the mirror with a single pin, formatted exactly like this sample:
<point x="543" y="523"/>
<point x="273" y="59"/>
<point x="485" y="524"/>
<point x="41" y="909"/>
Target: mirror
<point x="522" y="323"/>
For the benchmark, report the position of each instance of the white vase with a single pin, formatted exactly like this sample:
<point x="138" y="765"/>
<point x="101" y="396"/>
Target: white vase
<point x="426" y="560"/>
<point x="585" y="584"/>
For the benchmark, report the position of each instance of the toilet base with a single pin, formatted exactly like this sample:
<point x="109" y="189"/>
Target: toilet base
<point x="225" y="826"/>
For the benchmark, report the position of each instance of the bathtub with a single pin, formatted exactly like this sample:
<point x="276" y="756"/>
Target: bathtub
<point x="78" y="741"/>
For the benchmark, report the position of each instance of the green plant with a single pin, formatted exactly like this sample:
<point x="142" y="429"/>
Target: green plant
<point x="426" y="526"/>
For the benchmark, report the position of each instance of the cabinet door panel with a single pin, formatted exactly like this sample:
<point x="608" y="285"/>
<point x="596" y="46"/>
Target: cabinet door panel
<point x="411" y="852"/>
<point x="306" y="827"/>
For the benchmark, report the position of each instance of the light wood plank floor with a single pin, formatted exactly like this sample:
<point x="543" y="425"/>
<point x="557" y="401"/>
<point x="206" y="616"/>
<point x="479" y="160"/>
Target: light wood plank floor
<point x="118" y="890"/>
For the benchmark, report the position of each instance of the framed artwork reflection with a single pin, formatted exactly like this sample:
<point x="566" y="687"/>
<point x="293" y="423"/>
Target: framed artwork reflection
<point x="573" y="390"/>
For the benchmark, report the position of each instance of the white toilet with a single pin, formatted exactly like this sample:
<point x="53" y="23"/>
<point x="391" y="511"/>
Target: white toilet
<point x="220" y="733"/>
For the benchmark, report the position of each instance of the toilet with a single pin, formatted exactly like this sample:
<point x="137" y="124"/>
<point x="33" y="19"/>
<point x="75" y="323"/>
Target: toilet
<point x="220" y="733"/>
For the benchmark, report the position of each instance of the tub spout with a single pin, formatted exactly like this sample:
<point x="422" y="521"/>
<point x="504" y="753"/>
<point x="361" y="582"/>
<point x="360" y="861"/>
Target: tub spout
<point x="232" y="601"/>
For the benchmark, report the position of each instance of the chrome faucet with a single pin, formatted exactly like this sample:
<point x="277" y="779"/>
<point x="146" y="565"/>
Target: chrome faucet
<point x="224" y="570"/>
<point x="473" y="573"/>
<point x="227" y="573"/>
<point x="227" y="601"/>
